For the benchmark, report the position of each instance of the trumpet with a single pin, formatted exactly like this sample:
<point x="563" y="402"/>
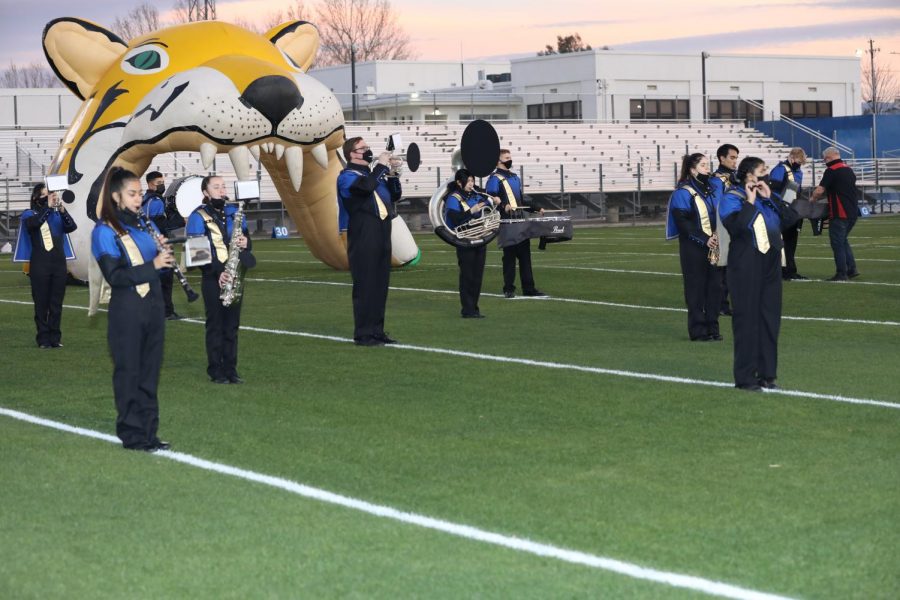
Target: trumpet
<point x="713" y="255"/>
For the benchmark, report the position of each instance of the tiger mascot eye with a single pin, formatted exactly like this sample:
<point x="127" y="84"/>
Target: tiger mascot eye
<point x="207" y="87"/>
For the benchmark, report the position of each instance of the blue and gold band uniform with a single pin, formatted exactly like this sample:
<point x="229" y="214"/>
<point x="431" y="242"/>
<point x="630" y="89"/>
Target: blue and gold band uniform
<point x="457" y="211"/>
<point x="692" y="219"/>
<point x="507" y="186"/>
<point x="779" y="177"/>
<point x="366" y="198"/>
<point x="222" y="322"/>
<point x="44" y="241"/>
<point x="155" y="209"/>
<point x="721" y="181"/>
<point x="754" y="278"/>
<point x="136" y="326"/>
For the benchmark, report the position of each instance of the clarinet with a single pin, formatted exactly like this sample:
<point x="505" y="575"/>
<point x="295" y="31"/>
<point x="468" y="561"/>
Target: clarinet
<point x="160" y="247"/>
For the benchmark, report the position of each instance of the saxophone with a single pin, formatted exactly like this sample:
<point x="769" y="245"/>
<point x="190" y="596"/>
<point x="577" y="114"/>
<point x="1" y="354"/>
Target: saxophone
<point x="233" y="289"/>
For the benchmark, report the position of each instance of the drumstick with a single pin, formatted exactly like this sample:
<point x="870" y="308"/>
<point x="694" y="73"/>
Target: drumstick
<point x="555" y="210"/>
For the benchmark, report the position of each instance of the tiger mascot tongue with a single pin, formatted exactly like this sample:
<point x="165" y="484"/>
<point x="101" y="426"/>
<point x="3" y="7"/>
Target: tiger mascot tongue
<point x="209" y="87"/>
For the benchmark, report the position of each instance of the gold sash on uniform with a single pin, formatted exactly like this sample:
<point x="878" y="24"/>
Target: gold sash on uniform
<point x="462" y="203"/>
<point x="760" y="233"/>
<point x="135" y="258"/>
<point x="216" y="235"/>
<point x="702" y="210"/>
<point x="382" y="210"/>
<point x="510" y="197"/>
<point x="45" y="234"/>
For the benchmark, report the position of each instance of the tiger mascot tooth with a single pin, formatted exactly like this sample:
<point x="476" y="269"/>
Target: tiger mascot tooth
<point x="207" y="87"/>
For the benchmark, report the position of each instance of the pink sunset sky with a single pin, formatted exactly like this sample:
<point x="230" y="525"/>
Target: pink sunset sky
<point x="522" y="27"/>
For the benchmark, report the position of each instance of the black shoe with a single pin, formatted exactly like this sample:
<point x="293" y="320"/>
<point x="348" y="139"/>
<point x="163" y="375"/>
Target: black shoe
<point x="384" y="338"/>
<point x="838" y="277"/>
<point x="536" y="293"/>
<point x="853" y="275"/>
<point x="174" y="317"/>
<point x="726" y="312"/>
<point x="509" y="294"/>
<point x="368" y="341"/>
<point x="219" y="379"/>
<point x="45" y="346"/>
<point x="702" y="338"/>
<point x="799" y="277"/>
<point x="748" y="387"/>
<point x="769" y="384"/>
<point x="161" y="445"/>
<point x="477" y="315"/>
<point x="235" y="379"/>
<point x="56" y="345"/>
<point x="715" y="337"/>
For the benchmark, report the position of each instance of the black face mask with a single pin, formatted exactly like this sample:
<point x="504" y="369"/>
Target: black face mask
<point x="507" y="164"/>
<point x="703" y="178"/>
<point x="217" y="203"/>
<point x="367" y="155"/>
<point x="764" y="179"/>
<point x="43" y="200"/>
<point x="795" y="166"/>
<point x="160" y="189"/>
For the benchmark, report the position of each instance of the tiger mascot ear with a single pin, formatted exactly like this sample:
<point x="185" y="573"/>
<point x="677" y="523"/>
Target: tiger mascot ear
<point x="81" y="52"/>
<point x="298" y="39"/>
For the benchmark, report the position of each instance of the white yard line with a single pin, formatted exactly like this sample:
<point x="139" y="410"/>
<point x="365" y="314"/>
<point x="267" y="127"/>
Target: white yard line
<point x="635" y="571"/>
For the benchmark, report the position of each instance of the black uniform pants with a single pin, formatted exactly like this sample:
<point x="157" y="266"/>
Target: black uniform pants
<point x="522" y="253"/>
<point x="166" y="278"/>
<point x="369" y="253"/>
<point x="222" y="323"/>
<point x="136" y="328"/>
<point x="702" y="290"/>
<point x="48" y="288"/>
<point x="724" y="305"/>
<point x="790" y="236"/>
<point x="471" y="272"/>
<point x="755" y="282"/>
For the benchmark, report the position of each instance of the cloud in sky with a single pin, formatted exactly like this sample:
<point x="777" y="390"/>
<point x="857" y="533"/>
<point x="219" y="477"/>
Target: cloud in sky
<point x="580" y="23"/>
<point x="767" y="36"/>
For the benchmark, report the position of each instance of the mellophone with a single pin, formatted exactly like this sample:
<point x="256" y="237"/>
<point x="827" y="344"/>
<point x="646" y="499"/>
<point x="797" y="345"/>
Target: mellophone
<point x="552" y="229"/>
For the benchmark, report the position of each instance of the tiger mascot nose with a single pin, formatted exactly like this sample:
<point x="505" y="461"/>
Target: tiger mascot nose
<point x="274" y="96"/>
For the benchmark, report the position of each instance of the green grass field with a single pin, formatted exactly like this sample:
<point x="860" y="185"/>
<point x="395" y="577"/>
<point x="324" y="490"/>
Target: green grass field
<point x="794" y="495"/>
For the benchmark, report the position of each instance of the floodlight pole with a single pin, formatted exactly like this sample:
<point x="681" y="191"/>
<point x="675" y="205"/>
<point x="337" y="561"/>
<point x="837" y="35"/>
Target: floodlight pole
<point x="703" y="57"/>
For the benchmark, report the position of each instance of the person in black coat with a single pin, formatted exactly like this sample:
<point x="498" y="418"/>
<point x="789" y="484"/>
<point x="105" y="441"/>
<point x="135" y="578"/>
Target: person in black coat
<point x="43" y="238"/>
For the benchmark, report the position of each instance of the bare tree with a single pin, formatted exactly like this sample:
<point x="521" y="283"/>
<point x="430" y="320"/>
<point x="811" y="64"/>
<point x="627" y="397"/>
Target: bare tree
<point x="35" y="75"/>
<point x="369" y="26"/>
<point x="880" y="88"/>
<point x="141" y="19"/>
<point x="297" y="11"/>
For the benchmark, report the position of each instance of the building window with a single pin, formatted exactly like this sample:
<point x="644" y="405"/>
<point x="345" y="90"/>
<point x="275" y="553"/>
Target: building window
<point x="660" y="109"/>
<point x="806" y="109"/>
<point x="569" y="111"/>
<point x="734" y="109"/>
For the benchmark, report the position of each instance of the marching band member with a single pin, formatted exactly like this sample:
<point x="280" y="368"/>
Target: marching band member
<point x="754" y="221"/>
<point x="44" y="242"/>
<point x="462" y="204"/>
<point x="692" y="219"/>
<point x="727" y="155"/>
<point x="789" y="171"/>
<point x="155" y="209"/>
<point x="507" y="186"/>
<point x="366" y="196"/>
<point x="129" y="258"/>
<point x="215" y="220"/>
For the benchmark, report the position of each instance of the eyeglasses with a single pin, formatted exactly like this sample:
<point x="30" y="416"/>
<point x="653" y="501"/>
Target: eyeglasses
<point x="362" y="149"/>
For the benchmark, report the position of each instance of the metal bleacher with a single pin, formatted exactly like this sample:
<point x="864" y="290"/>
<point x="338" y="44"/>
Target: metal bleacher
<point x="555" y="158"/>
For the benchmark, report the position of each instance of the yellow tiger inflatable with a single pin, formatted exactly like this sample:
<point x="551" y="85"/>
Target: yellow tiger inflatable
<point x="208" y="87"/>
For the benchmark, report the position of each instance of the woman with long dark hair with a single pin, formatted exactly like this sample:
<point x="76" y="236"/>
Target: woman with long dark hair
<point x="754" y="221"/>
<point x="44" y="243"/>
<point x="126" y="250"/>
<point x="692" y="219"/>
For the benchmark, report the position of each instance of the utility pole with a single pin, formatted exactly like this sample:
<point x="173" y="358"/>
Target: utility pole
<point x="873" y="99"/>
<point x="201" y="10"/>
